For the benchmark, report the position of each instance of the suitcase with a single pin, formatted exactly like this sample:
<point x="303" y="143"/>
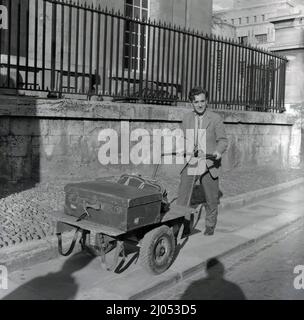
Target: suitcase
<point x="117" y="205"/>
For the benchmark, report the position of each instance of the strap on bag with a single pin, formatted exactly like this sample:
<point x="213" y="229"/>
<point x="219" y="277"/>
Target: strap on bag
<point x="59" y="236"/>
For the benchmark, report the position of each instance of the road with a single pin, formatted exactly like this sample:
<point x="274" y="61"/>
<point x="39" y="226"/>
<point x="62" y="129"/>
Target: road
<point x="263" y="271"/>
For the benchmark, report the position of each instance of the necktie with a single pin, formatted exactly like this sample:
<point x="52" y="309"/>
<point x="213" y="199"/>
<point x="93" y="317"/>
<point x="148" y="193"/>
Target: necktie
<point x="198" y="125"/>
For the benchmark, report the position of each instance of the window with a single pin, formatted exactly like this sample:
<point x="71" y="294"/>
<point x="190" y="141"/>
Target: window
<point x="243" y="40"/>
<point x="255" y="18"/>
<point x="240" y="20"/>
<point x="247" y="19"/>
<point x="261" y="38"/>
<point x="135" y="9"/>
<point x="232" y="21"/>
<point x="263" y="17"/>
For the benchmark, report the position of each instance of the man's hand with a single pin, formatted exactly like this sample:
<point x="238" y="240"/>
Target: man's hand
<point x="197" y="153"/>
<point x="201" y="154"/>
<point x="217" y="155"/>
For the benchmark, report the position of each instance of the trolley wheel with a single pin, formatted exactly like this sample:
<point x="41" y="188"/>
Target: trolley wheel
<point x="157" y="250"/>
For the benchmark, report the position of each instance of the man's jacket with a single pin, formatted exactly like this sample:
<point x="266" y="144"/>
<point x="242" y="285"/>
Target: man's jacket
<point x="216" y="139"/>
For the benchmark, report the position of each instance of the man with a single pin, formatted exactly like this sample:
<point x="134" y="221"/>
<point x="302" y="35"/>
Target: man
<point x="207" y="172"/>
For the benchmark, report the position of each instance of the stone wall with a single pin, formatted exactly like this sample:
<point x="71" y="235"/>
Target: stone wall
<point x="47" y="140"/>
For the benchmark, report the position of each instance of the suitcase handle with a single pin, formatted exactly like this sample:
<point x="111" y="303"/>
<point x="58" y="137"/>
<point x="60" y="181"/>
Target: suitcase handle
<point x="86" y="205"/>
<point x="95" y="206"/>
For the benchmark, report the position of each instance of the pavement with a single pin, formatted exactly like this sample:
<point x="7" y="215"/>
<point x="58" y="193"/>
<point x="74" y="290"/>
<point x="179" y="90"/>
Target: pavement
<point x="242" y="222"/>
<point x="26" y="209"/>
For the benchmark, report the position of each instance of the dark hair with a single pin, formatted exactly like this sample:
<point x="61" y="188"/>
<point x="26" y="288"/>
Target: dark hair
<point x="196" y="91"/>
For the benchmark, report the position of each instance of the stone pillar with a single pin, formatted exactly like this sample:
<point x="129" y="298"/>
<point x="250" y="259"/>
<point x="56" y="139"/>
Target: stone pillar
<point x="295" y="145"/>
<point x="289" y="42"/>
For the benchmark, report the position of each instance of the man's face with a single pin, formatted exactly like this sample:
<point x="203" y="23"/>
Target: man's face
<point x="199" y="103"/>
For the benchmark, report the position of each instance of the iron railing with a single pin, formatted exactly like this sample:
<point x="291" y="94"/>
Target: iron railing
<point x="67" y="48"/>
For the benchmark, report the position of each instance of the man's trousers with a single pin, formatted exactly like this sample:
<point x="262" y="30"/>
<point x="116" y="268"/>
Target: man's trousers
<point x="211" y="189"/>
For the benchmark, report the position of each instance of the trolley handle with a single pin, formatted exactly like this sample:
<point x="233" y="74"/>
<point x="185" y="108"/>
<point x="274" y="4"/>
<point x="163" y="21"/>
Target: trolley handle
<point x="208" y="156"/>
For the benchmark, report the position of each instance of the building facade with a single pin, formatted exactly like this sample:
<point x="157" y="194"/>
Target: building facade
<point x="193" y="14"/>
<point x="41" y="35"/>
<point x="251" y="20"/>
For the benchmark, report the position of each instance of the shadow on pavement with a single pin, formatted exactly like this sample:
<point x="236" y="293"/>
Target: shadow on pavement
<point x="59" y="285"/>
<point x="189" y="230"/>
<point x="214" y="286"/>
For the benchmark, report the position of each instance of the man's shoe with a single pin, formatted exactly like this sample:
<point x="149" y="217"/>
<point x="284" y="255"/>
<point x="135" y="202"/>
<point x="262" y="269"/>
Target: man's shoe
<point x="209" y="231"/>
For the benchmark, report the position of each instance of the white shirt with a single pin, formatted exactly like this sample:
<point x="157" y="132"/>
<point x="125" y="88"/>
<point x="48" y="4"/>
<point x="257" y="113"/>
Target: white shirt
<point x="198" y="165"/>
